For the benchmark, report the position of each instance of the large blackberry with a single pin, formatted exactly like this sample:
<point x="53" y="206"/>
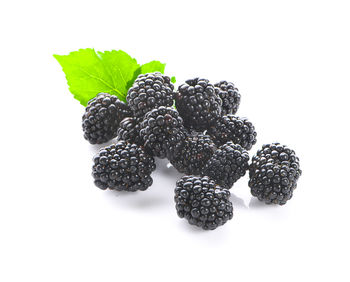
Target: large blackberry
<point x="129" y="129"/>
<point x="229" y="95"/>
<point x="274" y="173"/>
<point x="150" y="91"/>
<point x="161" y="130"/>
<point x="230" y="128"/>
<point x="197" y="103"/>
<point x="228" y="164"/>
<point x="102" y="117"/>
<point x="123" y="167"/>
<point x="202" y="202"/>
<point x="192" y="154"/>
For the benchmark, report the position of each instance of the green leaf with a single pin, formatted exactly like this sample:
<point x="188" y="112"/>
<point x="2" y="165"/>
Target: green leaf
<point x="173" y="79"/>
<point x="122" y="68"/>
<point x="89" y="73"/>
<point x="136" y="74"/>
<point x="152" y="67"/>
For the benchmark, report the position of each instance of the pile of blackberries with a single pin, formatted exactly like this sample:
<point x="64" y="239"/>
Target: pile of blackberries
<point x="200" y="136"/>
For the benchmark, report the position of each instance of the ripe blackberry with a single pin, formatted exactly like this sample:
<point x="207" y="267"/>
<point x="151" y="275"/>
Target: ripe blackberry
<point x="123" y="167"/>
<point x="228" y="164"/>
<point x="102" y="117"/>
<point x="192" y="154"/>
<point x="274" y="173"/>
<point x="230" y="128"/>
<point x="197" y="103"/>
<point x="202" y="202"/>
<point x="161" y="130"/>
<point x="229" y="95"/>
<point x="129" y="129"/>
<point x="149" y="92"/>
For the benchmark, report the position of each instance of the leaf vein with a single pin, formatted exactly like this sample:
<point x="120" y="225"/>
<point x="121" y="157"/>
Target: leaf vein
<point x="101" y="80"/>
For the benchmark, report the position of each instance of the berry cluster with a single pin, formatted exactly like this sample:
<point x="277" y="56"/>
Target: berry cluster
<point x="123" y="167"/>
<point x="191" y="155"/>
<point x="149" y="92"/>
<point x="102" y="117"/>
<point x="198" y="103"/>
<point x="228" y="164"/>
<point x="231" y="128"/>
<point x="202" y="202"/>
<point x="201" y="138"/>
<point x="161" y="130"/>
<point x="274" y="173"/>
<point x="229" y="95"/>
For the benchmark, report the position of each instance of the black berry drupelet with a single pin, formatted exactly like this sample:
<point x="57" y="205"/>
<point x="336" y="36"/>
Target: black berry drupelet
<point x="129" y="130"/>
<point x="102" y="117"/>
<point x="192" y="154"/>
<point x="197" y="103"/>
<point x="230" y="128"/>
<point x="123" y="167"/>
<point x="274" y="173"/>
<point x="150" y="91"/>
<point x="161" y="130"/>
<point x="228" y="164"/>
<point x="229" y="95"/>
<point x="202" y="202"/>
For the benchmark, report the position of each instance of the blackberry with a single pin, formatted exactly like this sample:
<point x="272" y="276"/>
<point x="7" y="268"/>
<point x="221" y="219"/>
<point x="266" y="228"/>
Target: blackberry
<point x="149" y="92"/>
<point x="229" y="95"/>
<point x="129" y="129"/>
<point x="230" y="128"/>
<point x="274" y="173"/>
<point x="202" y="202"/>
<point x="161" y="130"/>
<point x="123" y="167"/>
<point x="192" y="154"/>
<point x="197" y="103"/>
<point x="102" y="117"/>
<point x="228" y="164"/>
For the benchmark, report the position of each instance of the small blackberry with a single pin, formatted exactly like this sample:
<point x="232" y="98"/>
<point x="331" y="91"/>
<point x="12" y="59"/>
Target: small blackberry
<point x="129" y="129"/>
<point x="229" y="95"/>
<point x="161" y="130"/>
<point x="102" y="117"/>
<point x="197" y="103"/>
<point x="192" y="154"/>
<point x="228" y="164"/>
<point x="202" y="202"/>
<point x="274" y="173"/>
<point x="230" y="128"/>
<point x="149" y="92"/>
<point x="123" y="167"/>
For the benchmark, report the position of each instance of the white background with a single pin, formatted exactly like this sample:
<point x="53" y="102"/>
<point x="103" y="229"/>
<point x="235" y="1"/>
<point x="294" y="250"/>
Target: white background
<point x="291" y="63"/>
